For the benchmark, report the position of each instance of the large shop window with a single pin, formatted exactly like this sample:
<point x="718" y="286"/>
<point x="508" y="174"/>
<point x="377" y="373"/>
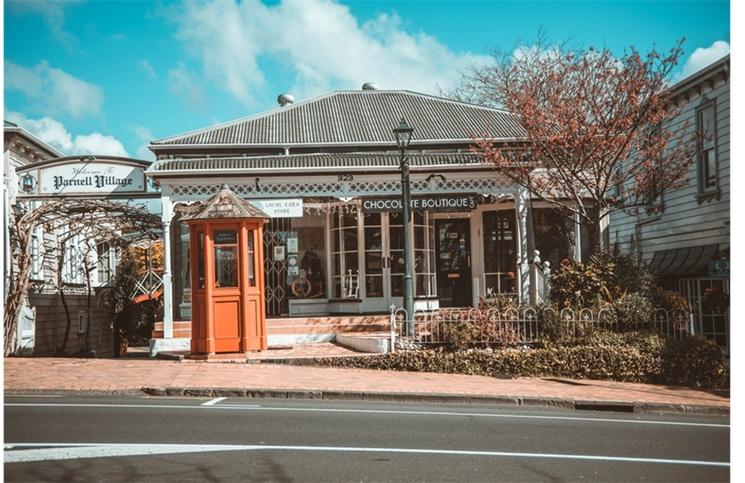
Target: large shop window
<point x="306" y="257"/>
<point x="554" y="235"/>
<point x="425" y="284"/>
<point x="500" y="252"/>
<point x="344" y="253"/>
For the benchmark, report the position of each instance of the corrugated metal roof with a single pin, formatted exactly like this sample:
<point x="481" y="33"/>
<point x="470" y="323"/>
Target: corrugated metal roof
<point x="315" y="161"/>
<point x="350" y="117"/>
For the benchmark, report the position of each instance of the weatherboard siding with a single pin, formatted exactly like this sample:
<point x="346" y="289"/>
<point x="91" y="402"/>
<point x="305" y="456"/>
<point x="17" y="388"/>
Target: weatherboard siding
<point x="685" y="222"/>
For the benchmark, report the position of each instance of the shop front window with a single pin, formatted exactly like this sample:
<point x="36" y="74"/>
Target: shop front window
<point x="344" y="252"/>
<point x="425" y="284"/>
<point x="306" y="257"/>
<point x="554" y="235"/>
<point x="500" y="252"/>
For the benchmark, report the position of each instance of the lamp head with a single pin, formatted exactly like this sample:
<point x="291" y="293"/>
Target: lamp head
<point x="403" y="134"/>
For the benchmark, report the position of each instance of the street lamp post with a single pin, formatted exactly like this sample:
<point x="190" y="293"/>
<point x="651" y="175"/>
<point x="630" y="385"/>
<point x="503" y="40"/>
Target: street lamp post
<point x="403" y="137"/>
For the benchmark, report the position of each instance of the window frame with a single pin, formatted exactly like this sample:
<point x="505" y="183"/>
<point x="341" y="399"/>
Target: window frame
<point x="705" y="191"/>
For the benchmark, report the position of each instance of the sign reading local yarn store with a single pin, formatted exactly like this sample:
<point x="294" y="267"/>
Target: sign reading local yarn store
<point x="91" y="177"/>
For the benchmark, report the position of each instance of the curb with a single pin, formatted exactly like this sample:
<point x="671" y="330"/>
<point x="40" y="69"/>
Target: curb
<point x="528" y="401"/>
<point x="402" y="397"/>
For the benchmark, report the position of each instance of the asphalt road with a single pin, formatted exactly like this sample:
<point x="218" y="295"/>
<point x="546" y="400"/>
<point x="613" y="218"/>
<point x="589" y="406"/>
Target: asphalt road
<point x="192" y="439"/>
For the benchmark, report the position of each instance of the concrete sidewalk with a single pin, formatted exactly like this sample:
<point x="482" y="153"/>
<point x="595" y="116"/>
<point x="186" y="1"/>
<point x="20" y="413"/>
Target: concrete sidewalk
<point x="160" y="377"/>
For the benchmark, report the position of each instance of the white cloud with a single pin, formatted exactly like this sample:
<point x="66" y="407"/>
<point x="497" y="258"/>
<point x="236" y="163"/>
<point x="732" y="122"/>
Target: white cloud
<point x="53" y="14"/>
<point x="148" y="68"/>
<point x="56" y="135"/>
<point x="320" y="40"/>
<point x="145" y="136"/>
<point x="185" y="84"/>
<point x="54" y="90"/>
<point x="704" y="56"/>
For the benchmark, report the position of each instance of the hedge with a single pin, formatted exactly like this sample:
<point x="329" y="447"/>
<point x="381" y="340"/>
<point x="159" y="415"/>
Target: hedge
<point x="694" y="361"/>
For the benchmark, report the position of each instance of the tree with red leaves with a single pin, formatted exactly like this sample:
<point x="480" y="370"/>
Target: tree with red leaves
<point x="595" y="140"/>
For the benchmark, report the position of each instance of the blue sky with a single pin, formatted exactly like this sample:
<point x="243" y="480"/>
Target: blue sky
<point x="106" y="77"/>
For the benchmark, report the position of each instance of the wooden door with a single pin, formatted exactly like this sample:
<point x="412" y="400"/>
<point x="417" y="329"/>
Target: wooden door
<point x="226" y="288"/>
<point x="254" y="331"/>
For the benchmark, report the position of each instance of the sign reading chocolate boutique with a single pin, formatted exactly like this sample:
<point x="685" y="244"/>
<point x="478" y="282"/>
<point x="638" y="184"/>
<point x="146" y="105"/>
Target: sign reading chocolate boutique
<point x="459" y="202"/>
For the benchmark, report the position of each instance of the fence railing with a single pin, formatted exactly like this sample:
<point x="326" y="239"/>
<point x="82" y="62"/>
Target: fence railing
<point x="512" y="326"/>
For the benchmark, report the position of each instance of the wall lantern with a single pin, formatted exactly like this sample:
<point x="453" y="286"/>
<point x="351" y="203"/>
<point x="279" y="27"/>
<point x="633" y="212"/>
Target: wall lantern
<point x="28" y="183"/>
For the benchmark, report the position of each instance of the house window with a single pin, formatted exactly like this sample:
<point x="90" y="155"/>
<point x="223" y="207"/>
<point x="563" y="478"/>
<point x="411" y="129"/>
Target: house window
<point x="105" y="264"/>
<point x="707" y="152"/>
<point x="72" y="262"/>
<point x="37" y="255"/>
<point x="82" y="322"/>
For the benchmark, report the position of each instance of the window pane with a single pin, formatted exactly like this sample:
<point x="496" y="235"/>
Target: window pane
<point x="372" y="239"/>
<point x="200" y="259"/>
<point x="251" y="262"/>
<point x="226" y="266"/>
<point x="374" y="286"/>
<point x="350" y="239"/>
<point x="306" y="273"/>
<point x="373" y="263"/>
<point x="707" y="127"/>
<point x="351" y="262"/>
<point x="711" y="168"/>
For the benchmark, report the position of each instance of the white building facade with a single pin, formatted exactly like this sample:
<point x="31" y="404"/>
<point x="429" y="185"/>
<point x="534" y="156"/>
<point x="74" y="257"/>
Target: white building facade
<point x="328" y="172"/>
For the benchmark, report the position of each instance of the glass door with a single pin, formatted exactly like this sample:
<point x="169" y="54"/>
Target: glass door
<point x="383" y="248"/>
<point x="453" y="262"/>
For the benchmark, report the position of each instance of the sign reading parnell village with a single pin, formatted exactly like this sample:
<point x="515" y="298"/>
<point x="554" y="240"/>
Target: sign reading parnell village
<point x="459" y="202"/>
<point x="99" y="178"/>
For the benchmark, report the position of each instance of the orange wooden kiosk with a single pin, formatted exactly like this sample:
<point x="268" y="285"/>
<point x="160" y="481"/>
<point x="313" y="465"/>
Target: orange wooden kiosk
<point x="227" y="273"/>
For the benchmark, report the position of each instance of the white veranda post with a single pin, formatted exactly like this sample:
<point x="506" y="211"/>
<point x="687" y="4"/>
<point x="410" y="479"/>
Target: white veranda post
<point x="522" y="202"/>
<point x="167" y="214"/>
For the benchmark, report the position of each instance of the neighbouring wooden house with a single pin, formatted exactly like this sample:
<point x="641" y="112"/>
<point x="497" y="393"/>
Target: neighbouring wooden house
<point x="684" y="235"/>
<point x="35" y="173"/>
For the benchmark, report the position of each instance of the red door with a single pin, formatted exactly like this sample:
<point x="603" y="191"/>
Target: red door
<point x="226" y="292"/>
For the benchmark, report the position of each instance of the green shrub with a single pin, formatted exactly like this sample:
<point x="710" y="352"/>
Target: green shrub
<point x="603" y="355"/>
<point x="668" y="300"/>
<point x="605" y="278"/>
<point x="694" y="361"/>
<point x="632" y="310"/>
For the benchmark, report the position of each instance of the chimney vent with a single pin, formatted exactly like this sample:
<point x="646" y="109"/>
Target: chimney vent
<point x="285" y="99"/>
<point x="370" y="86"/>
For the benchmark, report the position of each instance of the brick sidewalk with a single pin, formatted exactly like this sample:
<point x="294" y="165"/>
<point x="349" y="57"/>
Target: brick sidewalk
<point x="109" y="375"/>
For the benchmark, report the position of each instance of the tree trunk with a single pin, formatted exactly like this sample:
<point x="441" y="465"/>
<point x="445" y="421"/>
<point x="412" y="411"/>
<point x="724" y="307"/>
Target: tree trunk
<point x="19" y="286"/>
<point x="88" y="307"/>
<point x="61" y="292"/>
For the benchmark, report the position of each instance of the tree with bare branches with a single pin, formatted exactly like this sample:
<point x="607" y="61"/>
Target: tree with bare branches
<point x="595" y="138"/>
<point x="90" y="220"/>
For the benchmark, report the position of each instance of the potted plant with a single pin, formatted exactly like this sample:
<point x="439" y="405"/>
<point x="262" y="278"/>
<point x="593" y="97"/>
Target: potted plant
<point x="716" y="300"/>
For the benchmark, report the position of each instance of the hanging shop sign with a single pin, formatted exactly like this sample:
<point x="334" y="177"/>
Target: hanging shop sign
<point x="289" y="208"/>
<point x="459" y="202"/>
<point x="719" y="268"/>
<point x="91" y="177"/>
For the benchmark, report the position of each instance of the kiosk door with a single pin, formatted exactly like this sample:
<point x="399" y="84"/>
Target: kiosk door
<point x="227" y="291"/>
<point x="453" y="262"/>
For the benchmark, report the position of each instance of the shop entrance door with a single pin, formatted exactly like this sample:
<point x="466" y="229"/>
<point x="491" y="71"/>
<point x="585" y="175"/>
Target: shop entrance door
<point x="453" y="262"/>
<point x="383" y="261"/>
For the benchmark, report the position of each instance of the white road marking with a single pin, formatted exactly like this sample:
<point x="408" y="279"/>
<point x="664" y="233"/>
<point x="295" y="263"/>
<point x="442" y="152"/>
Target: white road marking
<point x="62" y="451"/>
<point x="212" y="402"/>
<point x="248" y="407"/>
